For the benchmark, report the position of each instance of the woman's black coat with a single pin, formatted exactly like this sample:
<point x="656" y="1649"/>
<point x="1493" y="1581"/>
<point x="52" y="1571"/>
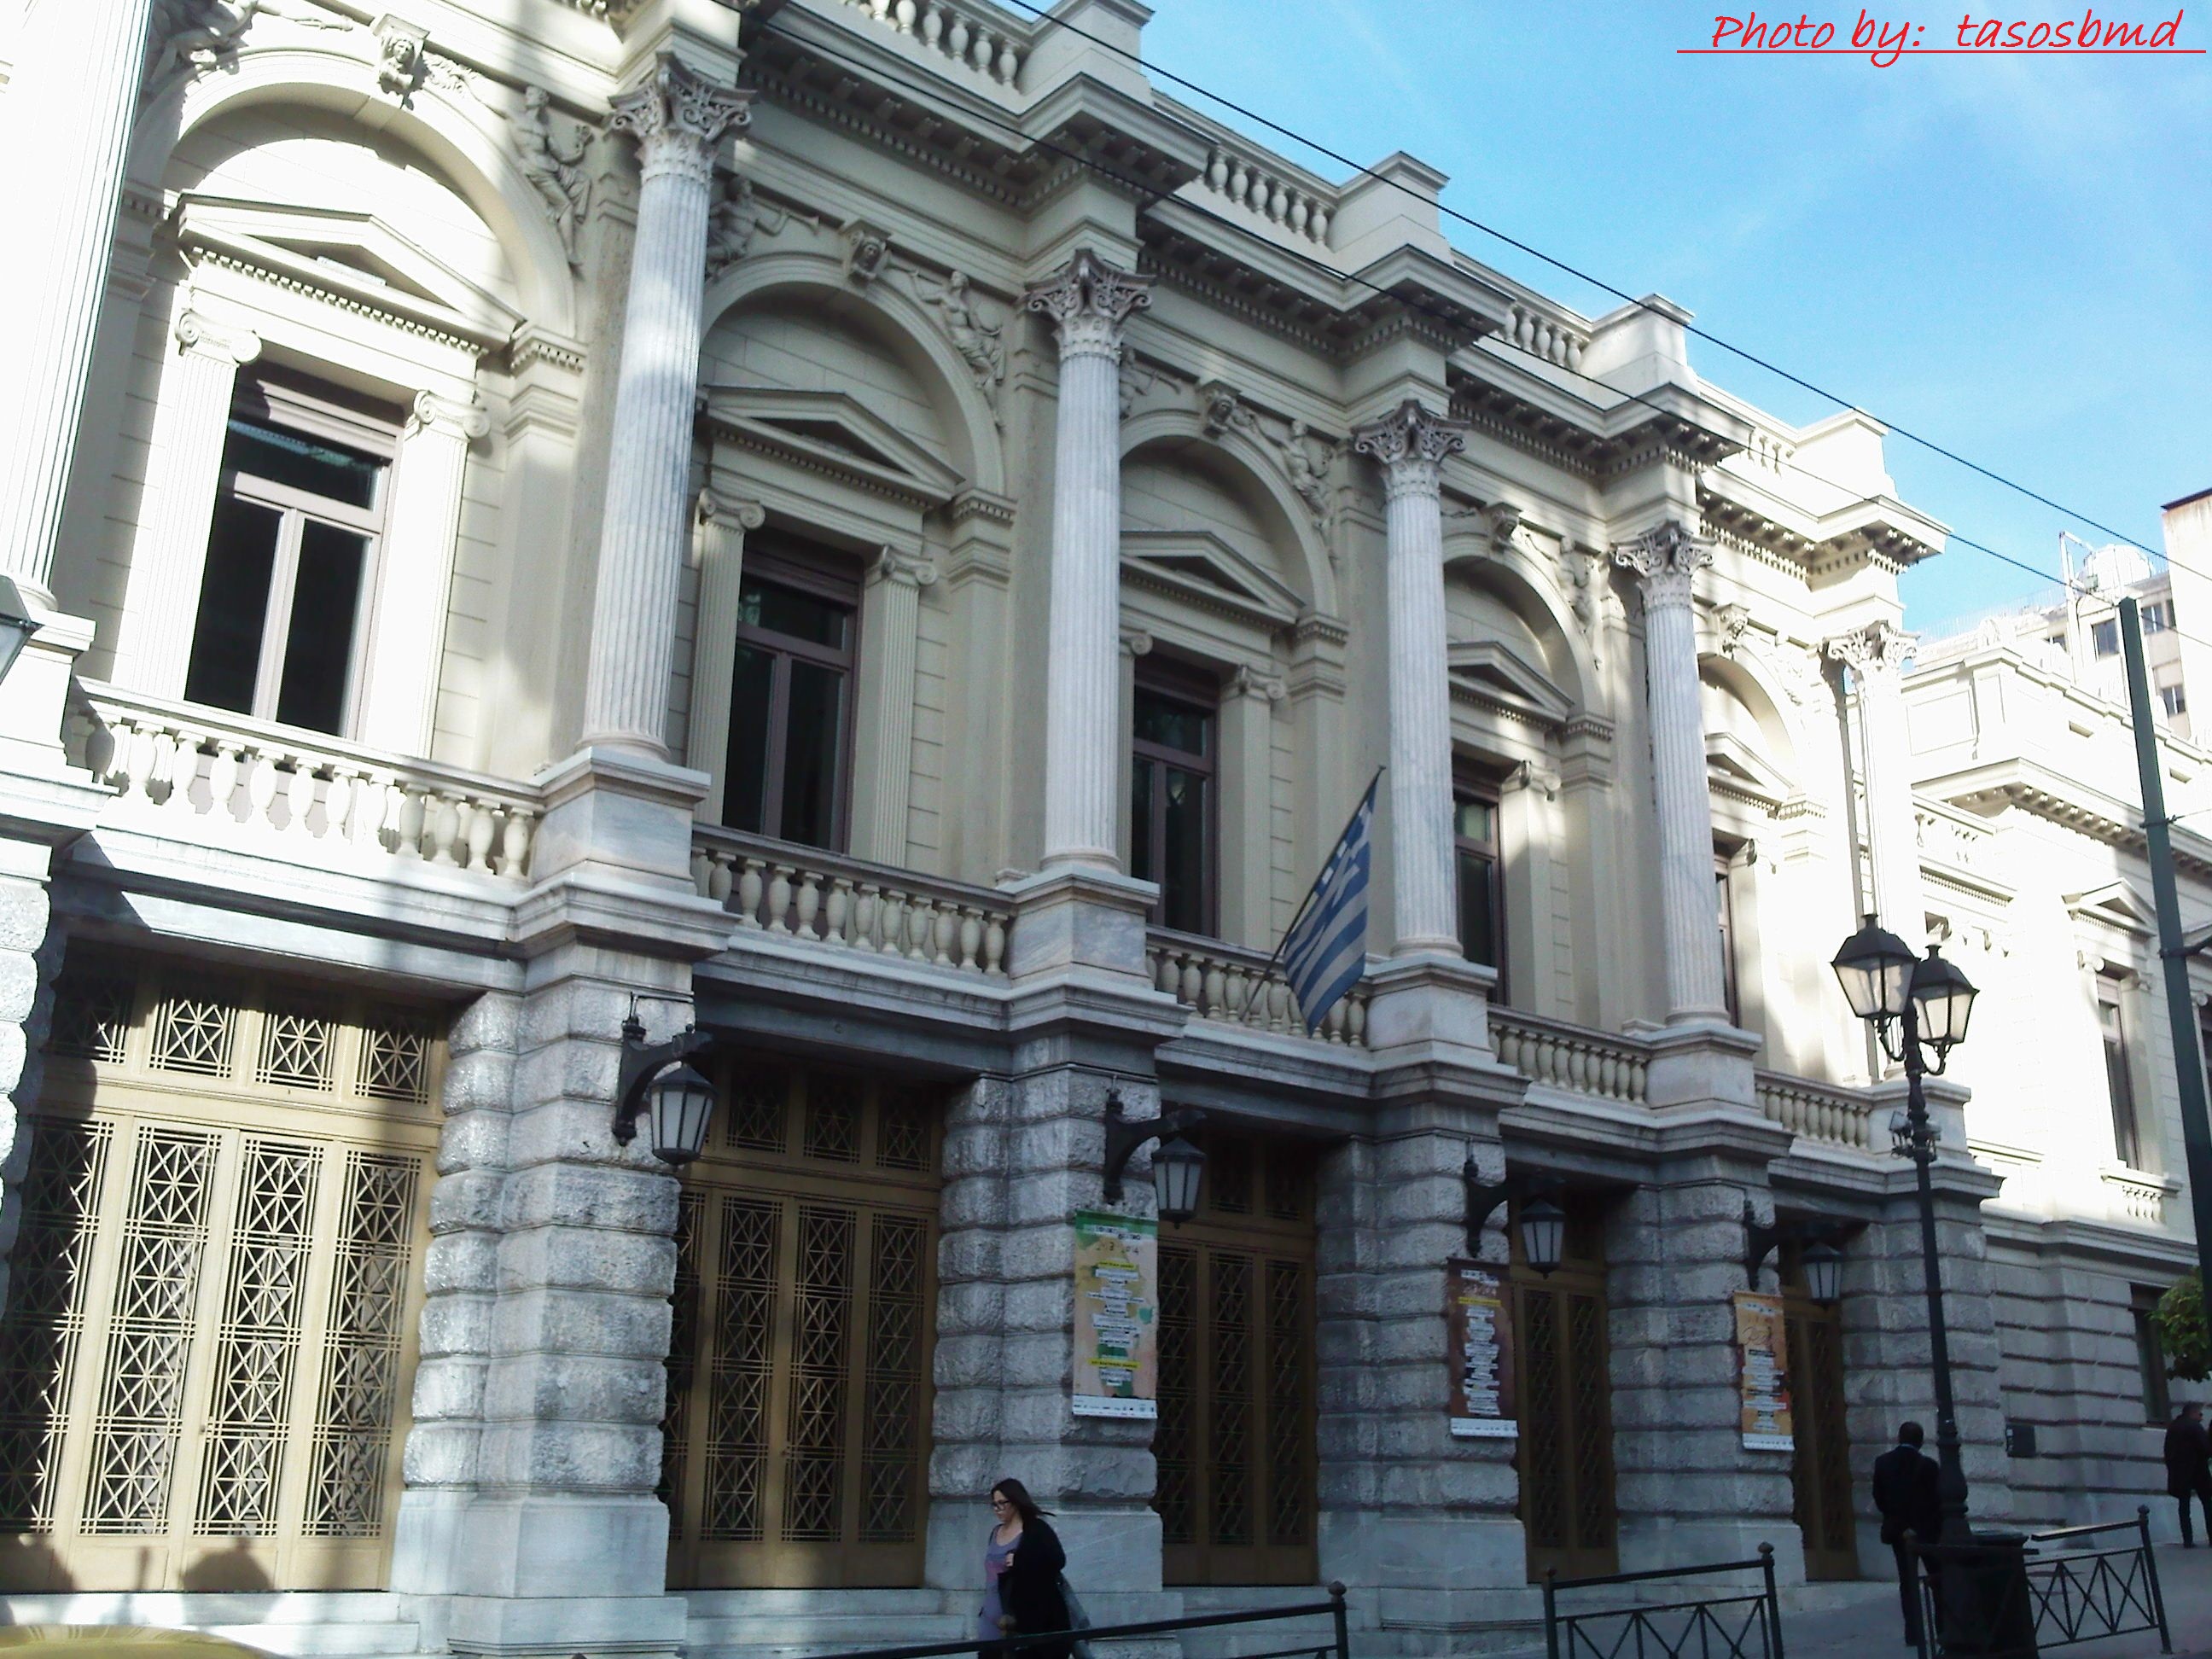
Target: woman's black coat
<point x="1029" y="1590"/>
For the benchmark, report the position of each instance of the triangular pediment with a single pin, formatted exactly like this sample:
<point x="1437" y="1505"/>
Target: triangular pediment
<point x="832" y="431"/>
<point x="2118" y="904"/>
<point x="357" y="256"/>
<point x="1493" y="671"/>
<point x="1733" y="764"/>
<point x="1205" y="568"/>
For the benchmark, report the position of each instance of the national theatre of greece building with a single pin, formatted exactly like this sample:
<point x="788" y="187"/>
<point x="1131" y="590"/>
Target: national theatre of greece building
<point x="866" y="527"/>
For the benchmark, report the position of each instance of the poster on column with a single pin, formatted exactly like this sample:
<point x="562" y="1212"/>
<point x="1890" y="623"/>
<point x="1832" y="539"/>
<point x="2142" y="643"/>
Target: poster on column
<point x="1762" y="1374"/>
<point x="1480" y="1351"/>
<point x="1117" y="1331"/>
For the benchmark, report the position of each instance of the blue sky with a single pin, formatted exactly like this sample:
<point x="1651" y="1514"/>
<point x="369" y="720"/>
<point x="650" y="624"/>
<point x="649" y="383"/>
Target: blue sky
<point x="2010" y="255"/>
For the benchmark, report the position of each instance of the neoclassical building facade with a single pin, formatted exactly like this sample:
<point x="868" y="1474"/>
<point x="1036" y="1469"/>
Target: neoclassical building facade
<point x="868" y="528"/>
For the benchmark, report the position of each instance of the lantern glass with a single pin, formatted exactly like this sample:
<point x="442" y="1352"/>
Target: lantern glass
<point x="1824" y="1272"/>
<point x="1176" y="1168"/>
<point x="1543" y="1234"/>
<point x="679" y="1105"/>
<point x="1876" y="969"/>
<point x="1942" y="1001"/>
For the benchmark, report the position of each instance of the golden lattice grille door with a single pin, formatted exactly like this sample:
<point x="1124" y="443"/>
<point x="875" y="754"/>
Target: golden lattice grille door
<point x="1821" y="1461"/>
<point x="1563" y="1454"/>
<point x="1234" y="1446"/>
<point x="796" y="1443"/>
<point x="210" y="1336"/>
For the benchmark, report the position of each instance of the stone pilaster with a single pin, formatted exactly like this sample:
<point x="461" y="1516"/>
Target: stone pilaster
<point x="155" y="646"/>
<point x="1088" y="302"/>
<point x="722" y="524"/>
<point x="1875" y="655"/>
<point x="1666" y="559"/>
<point x="882" y="767"/>
<point x="66" y="122"/>
<point x="416" y="588"/>
<point x="1410" y="445"/>
<point x="678" y="119"/>
<point x="1687" y="1488"/>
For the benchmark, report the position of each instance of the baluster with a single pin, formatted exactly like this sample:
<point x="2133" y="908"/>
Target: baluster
<point x="892" y="928"/>
<point x="1296" y="217"/>
<point x="864" y="916"/>
<point x="1213" y="987"/>
<point x="1158" y="960"/>
<point x="838" y="912"/>
<point x="995" y="945"/>
<point x="1235" y="994"/>
<point x="300" y="794"/>
<point x="1188" y="989"/>
<point x="1216" y="172"/>
<point x="408" y="825"/>
<point x="748" y="895"/>
<point x="445" y="827"/>
<point x="979" y="53"/>
<point x="880" y="10"/>
<point x="905" y="13"/>
<point x="1317" y="227"/>
<point x="1238" y="179"/>
<point x="162" y="773"/>
<point x="722" y="877"/>
<point x="808" y="903"/>
<point x="933" y="25"/>
<point x="1009" y="63"/>
<point x="1578" y="1059"/>
<point x="955" y="40"/>
<point x="260" y="768"/>
<point x="779" y="898"/>
<point x="1279" y="200"/>
<point x="1574" y="353"/>
<point x="971" y="935"/>
<point x="945" y="928"/>
<point x="703" y="870"/>
<point x="338" y="804"/>
<point x="515" y="841"/>
<point x="483" y="830"/>
<point x="222" y="779"/>
<point x="100" y="747"/>
<point x="921" y="917"/>
<point x="136" y="756"/>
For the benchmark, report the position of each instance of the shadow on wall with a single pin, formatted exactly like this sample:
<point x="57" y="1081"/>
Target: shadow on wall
<point x="235" y="1569"/>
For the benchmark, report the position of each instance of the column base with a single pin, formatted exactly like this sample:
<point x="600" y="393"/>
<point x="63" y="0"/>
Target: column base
<point x="630" y="815"/>
<point x="1698" y="1062"/>
<point x="1072" y="918"/>
<point x="1431" y="1004"/>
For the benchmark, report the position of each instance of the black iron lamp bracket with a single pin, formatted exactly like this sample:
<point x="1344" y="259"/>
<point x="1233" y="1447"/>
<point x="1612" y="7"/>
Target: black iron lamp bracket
<point x="1484" y="1197"/>
<point x="1124" y="1134"/>
<point x="1759" y="1242"/>
<point x="641" y="1062"/>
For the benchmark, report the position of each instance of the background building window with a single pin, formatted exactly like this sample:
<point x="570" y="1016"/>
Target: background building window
<point x="2150" y="1358"/>
<point x="2119" y="1080"/>
<point x="786" y="771"/>
<point x="281" y="624"/>
<point x="2105" y="638"/>
<point x="2158" y="616"/>
<point x="1482" y="878"/>
<point x="1172" y="793"/>
<point x="2173" y="700"/>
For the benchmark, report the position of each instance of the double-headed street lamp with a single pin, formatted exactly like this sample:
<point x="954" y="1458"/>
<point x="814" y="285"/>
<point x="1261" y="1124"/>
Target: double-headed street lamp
<point x="1918" y="1007"/>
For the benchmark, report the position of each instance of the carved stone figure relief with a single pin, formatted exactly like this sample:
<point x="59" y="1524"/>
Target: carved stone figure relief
<point x="553" y="164"/>
<point x="736" y="218"/>
<point x="978" y="342"/>
<point x="196" y="36"/>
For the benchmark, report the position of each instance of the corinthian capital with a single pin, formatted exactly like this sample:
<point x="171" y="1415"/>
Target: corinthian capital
<point x="1667" y="558"/>
<point x="678" y="118"/>
<point x="1088" y="302"/>
<point x="195" y="331"/>
<point x="1409" y="444"/>
<point x="1879" y="647"/>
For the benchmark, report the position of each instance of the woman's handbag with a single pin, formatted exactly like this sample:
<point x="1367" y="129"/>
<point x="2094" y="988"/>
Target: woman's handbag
<point x="1077" y="1619"/>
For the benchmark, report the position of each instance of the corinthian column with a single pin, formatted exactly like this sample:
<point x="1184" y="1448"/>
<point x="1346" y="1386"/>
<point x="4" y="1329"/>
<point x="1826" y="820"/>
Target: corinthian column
<point x="1410" y="445"/>
<point x="1875" y="655"/>
<point x="1088" y="302"/>
<point x="66" y="123"/>
<point x="678" y="119"/>
<point x="1667" y="560"/>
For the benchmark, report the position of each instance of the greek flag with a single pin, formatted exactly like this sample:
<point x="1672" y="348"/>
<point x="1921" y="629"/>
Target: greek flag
<point x="1324" y="952"/>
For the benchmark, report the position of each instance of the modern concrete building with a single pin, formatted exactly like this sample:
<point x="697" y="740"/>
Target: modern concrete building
<point x="871" y="528"/>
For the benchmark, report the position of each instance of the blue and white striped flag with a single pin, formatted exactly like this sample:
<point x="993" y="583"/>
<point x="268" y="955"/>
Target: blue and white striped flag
<point x="1324" y="952"/>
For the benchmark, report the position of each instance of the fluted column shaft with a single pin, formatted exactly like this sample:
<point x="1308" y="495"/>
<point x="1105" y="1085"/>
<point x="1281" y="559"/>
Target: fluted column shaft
<point x="1667" y="559"/>
<point x="1410" y="446"/>
<point x="678" y="119"/>
<point x="1875" y="655"/>
<point x="416" y="589"/>
<point x="184" y="466"/>
<point x="65" y="124"/>
<point x="1088" y="303"/>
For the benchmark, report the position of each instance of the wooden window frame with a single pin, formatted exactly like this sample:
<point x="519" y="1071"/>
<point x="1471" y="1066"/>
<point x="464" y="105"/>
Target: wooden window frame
<point x="1589" y="1500"/>
<point x="2150" y="1358"/>
<point x="1469" y="786"/>
<point x="2118" y="1042"/>
<point x="1724" y="860"/>
<point x="1194" y="688"/>
<point x="788" y="561"/>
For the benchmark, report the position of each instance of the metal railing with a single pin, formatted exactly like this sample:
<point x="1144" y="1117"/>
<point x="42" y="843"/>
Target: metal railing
<point x="1729" y="1624"/>
<point x="2078" y="1596"/>
<point x="1338" y="1646"/>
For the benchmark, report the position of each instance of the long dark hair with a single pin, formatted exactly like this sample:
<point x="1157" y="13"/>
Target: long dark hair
<point x="1018" y="1496"/>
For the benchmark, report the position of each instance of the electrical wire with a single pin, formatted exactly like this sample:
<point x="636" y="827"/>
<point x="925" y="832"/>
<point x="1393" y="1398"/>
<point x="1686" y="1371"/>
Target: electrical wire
<point x="1140" y="186"/>
<point x="1580" y="275"/>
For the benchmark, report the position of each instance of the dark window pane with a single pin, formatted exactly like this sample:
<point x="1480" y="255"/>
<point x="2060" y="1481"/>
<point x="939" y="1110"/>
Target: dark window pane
<point x="1172" y="725"/>
<point x="289" y="458"/>
<point x="1475" y="820"/>
<point x="813" y="738"/>
<point x="1183" y="896"/>
<point x="233" y="606"/>
<point x="1140" y="820"/>
<point x="2105" y="638"/>
<point x="1478" y="909"/>
<point x="793" y="612"/>
<point x="319" y="645"/>
<point x="744" y="768"/>
<point x="2127" y="1135"/>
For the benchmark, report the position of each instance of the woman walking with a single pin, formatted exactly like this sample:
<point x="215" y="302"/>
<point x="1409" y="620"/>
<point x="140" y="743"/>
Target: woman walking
<point x="1022" y="1564"/>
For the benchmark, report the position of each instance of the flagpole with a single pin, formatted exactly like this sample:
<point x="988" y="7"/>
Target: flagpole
<point x="1306" y="904"/>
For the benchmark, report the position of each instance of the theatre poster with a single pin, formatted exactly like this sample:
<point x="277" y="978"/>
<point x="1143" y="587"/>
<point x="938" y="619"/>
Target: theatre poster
<point x="1117" y="1329"/>
<point x="1762" y="1371"/>
<point x="1480" y="1351"/>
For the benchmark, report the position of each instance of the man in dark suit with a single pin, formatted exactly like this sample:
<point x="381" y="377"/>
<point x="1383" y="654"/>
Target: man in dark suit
<point x="1905" y="1493"/>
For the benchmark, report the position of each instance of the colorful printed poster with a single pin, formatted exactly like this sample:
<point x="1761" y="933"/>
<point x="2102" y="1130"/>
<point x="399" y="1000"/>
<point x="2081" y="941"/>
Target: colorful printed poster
<point x="1117" y="1331"/>
<point x="1480" y="1350"/>
<point x="1762" y="1373"/>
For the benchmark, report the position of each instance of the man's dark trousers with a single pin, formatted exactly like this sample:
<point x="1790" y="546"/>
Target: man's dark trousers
<point x="2202" y="1492"/>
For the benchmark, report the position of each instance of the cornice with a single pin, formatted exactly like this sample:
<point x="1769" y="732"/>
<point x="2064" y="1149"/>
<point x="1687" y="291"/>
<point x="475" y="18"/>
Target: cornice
<point x="346" y="302"/>
<point x="2033" y="790"/>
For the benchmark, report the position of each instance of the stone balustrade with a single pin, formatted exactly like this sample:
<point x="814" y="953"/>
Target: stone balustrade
<point x="802" y="892"/>
<point x="1237" y="987"/>
<point x="2136" y="1198"/>
<point x="993" y="47"/>
<point x="1243" y="181"/>
<point x="1547" y="337"/>
<point x="199" y="774"/>
<point x="1569" y="1057"/>
<point x="1823" y="1112"/>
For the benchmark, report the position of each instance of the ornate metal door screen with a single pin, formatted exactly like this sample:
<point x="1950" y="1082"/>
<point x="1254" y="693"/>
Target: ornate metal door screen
<point x="1565" y="1447"/>
<point x="1821" y="1468"/>
<point x="209" y="1333"/>
<point x="797" y="1434"/>
<point x="1235" y="1445"/>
